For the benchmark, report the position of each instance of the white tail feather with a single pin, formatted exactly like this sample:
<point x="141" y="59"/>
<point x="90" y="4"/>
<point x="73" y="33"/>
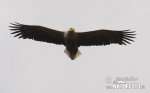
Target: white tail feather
<point x="76" y="55"/>
<point x="67" y="53"/>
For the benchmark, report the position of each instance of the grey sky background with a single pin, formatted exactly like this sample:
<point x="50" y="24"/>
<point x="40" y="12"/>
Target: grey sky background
<point x="27" y="66"/>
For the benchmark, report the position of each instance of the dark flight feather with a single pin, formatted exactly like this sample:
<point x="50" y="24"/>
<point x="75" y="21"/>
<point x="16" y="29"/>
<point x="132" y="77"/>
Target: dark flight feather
<point x="105" y="37"/>
<point x="37" y="33"/>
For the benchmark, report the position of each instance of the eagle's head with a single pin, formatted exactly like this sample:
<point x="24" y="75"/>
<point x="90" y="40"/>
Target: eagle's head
<point x="71" y="30"/>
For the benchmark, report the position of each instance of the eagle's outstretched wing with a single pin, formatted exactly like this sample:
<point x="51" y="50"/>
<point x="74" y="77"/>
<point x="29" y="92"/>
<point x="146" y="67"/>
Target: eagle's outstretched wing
<point x="37" y="33"/>
<point x="105" y="37"/>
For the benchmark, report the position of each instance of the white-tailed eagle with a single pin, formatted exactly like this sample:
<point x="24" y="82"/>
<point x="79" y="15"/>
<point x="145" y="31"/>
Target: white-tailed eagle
<point x="72" y="40"/>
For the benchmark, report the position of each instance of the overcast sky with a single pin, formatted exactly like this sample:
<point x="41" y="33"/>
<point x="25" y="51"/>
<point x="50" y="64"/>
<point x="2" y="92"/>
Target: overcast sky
<point x="28" y="66"/>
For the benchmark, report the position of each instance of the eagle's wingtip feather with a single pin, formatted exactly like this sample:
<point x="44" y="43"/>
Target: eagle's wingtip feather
<point x="127" y="36"/>
<point x="15" y="27"/>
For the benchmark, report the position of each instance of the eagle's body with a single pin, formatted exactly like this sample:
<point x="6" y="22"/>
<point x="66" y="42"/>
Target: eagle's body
<point x="72" y="40"/>
<point x="71" y="43"/>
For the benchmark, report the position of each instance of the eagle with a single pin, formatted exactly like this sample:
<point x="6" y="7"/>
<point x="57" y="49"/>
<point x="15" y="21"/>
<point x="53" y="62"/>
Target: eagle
<point x="71" y="39"/>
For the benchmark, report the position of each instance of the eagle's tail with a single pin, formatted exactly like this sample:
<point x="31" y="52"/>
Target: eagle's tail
<point x="78" y="53"/>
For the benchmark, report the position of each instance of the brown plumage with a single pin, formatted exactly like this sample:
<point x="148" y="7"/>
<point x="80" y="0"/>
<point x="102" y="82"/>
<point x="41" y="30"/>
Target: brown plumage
<point x="72" y="40"/>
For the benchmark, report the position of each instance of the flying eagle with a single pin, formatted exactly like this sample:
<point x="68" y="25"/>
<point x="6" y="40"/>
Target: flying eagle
<point x="72" y="40"/>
